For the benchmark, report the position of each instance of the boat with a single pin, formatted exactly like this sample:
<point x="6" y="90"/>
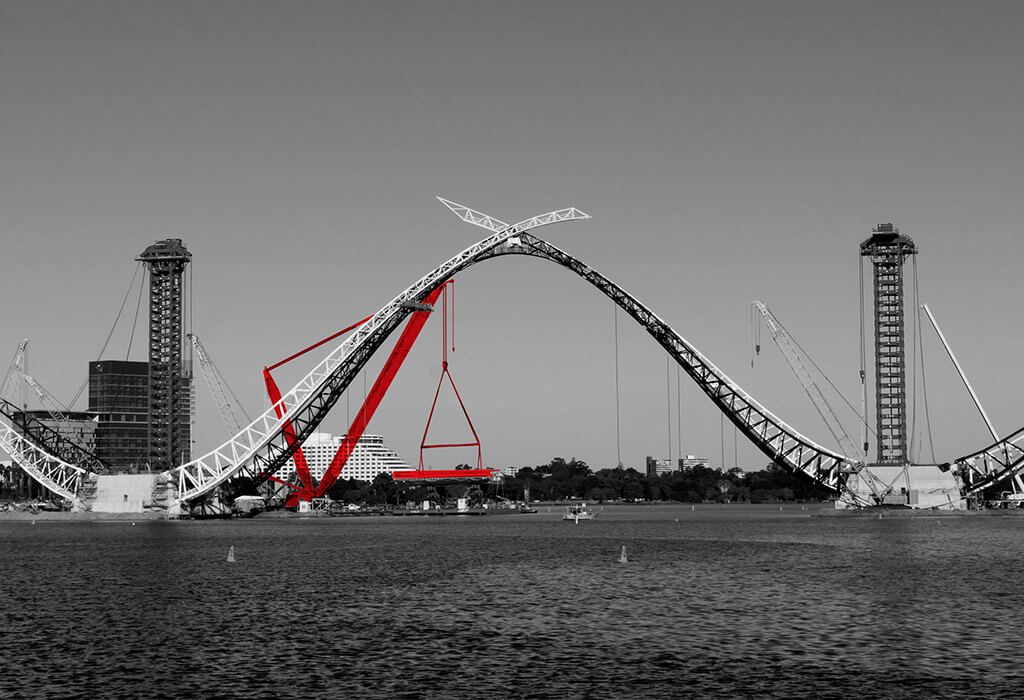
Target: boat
<point x="577" y="512"/>
<point x="525" y="508"/>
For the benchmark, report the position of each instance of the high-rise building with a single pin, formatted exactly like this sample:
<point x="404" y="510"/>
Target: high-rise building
<point x="119" y="397"/>
<point x="170" y="375"/>
<point x="657" y="467"/>
<point x="369" y="458"/>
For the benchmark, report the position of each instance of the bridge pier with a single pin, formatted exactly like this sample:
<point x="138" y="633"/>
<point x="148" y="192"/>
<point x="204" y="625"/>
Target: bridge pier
<point x="918" y="486"/>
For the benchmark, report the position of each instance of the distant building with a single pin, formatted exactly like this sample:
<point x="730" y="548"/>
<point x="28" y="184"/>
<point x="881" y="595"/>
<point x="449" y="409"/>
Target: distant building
<point x="657" y="467"/>
<point x="691" y="461"/>
<point x="510" y="471"/>
<point x="369" y="458"/>
<point x="119" y="397"/>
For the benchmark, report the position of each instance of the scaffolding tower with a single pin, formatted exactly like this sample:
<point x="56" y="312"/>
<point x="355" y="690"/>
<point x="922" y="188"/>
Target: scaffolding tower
<point x="170" y="377"/>
<point x="889" y="250"/>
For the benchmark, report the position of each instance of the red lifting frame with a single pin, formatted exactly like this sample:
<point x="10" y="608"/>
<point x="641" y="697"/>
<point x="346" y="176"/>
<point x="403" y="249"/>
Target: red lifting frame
<point x="446" y="373"/>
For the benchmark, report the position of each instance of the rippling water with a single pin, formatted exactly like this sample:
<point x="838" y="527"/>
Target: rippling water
<point x="727" y="602"/>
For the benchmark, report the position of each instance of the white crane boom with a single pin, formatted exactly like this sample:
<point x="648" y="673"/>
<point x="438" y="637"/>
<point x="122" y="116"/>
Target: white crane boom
<point x="788" y="348"/>
<point x="49" y="402"/>
<point x="1017" y="483"/>
<point x="219" y="388"/>
<point x="14" y="371"/>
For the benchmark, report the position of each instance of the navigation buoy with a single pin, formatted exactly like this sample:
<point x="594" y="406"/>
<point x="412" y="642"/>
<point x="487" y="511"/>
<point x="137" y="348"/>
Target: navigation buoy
<point x="693" y="508"/>
<point x="231" y="554"/>
<point x="622" y="557"/>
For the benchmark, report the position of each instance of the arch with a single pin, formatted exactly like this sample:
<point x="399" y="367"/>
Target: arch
<point x="307" y="403"/>
<point x="997" y="462"/>
<point x="60" y="477"/>
<point x="262" y="447"/>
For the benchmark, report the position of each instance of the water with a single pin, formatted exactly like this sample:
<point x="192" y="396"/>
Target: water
<point x="728" y="602"/>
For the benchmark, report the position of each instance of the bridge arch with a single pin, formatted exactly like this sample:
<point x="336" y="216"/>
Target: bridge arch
<point x="264" y="445"/>
<point x="312" y="398"/>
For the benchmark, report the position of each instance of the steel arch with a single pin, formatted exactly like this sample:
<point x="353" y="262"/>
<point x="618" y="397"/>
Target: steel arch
<point x="997" y="462"/>
<point x="264" y="445"/>
<point x="60" y="477"/>
<point x="770" y="434"/>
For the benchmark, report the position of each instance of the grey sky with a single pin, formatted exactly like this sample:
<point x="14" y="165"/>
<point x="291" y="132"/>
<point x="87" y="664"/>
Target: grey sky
<point x="728" y="151"/>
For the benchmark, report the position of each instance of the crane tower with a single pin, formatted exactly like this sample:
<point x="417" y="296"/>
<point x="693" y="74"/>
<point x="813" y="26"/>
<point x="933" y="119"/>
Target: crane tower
<point x="170" y="379"/>
<point x="889" y="250"/>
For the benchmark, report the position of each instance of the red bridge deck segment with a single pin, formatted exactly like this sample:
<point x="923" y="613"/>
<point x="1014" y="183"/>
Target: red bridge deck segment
<point x="429" y="474"/>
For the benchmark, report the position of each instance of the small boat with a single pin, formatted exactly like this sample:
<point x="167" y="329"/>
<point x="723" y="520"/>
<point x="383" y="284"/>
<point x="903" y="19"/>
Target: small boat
<point x="524" y="508"/>
<point x="577" y="512"/>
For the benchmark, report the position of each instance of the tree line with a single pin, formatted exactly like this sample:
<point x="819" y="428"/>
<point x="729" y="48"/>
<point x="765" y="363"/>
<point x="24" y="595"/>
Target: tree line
<point x="561" y="480"/>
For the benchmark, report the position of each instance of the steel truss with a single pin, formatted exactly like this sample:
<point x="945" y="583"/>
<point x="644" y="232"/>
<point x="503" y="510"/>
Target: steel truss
<point x="998" y="462"/>
<point x="264" y="445"/>
<point x="780" y="442"/>
<point x="50" y="441"/>
<point x="60" y="477"/>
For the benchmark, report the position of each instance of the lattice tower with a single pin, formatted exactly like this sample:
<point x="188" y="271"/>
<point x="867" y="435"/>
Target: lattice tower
<point x="889" y="250"/>
<point x="170" y="379"/>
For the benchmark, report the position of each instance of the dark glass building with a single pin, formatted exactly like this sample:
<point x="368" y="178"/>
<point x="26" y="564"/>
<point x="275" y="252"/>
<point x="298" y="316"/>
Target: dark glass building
<point x="119" y="395"/>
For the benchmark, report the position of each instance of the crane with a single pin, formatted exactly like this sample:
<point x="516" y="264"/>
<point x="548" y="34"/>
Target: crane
<point x="788" y="346"/>
<point x="1015" y="482"/>
<point x="219" y="388"/>
<point x="14" y="371"/>
<point x="49" y="402"/>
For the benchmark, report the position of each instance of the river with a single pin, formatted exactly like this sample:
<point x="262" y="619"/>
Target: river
<point x="714" y="602"/>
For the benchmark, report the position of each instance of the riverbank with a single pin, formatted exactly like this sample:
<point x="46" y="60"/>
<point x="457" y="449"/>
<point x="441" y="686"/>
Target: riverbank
<point x="69" y="516"/>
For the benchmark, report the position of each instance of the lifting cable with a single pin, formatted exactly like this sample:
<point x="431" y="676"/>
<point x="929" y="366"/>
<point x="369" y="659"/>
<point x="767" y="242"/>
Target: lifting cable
<point x="135" y="321"/>
<point x="446" y="373"/>
<point x="823" y="375"/>
<point x="914" y="359"/>
<point x="755" y="334"/>
<point x="924" y="382"/>
<point x="863" y="362"/>
<point x="668" y="403"/>
<point x="618" y="429"/>
<point x="113" y="327"/>
<point x="679" y="413"/>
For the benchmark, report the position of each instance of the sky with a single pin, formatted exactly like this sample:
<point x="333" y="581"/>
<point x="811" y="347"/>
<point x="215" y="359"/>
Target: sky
<point x="727" y="151"/>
